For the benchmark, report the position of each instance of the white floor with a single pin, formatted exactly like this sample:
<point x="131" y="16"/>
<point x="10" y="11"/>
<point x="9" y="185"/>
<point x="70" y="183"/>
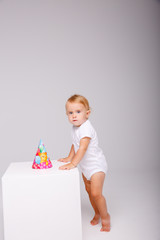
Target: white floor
<point x="134" y="204"/>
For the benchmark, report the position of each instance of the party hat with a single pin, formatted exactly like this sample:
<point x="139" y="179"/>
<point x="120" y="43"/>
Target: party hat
<point x="41" y="161"/>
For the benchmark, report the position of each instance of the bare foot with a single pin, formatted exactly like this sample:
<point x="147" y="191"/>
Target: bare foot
<point x="106" y="224"/>
<point x="95" y="220"/>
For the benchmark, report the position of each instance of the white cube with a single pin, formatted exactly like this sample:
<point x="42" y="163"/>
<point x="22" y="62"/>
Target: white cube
<point x="41" y="204"/>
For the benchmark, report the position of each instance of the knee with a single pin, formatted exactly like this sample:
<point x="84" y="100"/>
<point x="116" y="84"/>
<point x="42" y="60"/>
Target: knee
<point x="96" y="195"/>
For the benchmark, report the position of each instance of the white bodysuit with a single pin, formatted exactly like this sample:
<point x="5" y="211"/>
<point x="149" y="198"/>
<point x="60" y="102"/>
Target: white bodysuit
<point x="94" y="160"/>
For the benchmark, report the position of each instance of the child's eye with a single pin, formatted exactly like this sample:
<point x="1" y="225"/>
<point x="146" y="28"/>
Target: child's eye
<point x="78" y="111"/>
<point x="70" y="112"/>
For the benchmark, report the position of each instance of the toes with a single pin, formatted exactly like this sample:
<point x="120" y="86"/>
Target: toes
<point x="94" y="222"/>
<point x="105" y="229"/>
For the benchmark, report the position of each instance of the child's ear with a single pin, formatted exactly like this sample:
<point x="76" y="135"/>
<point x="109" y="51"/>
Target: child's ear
<point x="88" y="112"/>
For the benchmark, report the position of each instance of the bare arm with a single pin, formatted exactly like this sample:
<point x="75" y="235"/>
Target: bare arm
<point x="72" y="153"/>
<point x="84" y="142"/>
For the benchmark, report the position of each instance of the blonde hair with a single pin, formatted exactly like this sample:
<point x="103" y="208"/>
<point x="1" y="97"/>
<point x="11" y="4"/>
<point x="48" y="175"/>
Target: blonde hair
<point x="79" y="99"/>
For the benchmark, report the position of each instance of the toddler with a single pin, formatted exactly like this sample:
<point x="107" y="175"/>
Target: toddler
<point x="86" y="153"/>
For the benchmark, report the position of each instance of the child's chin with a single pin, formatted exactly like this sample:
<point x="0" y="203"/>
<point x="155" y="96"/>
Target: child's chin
<point x="76" y="124"/>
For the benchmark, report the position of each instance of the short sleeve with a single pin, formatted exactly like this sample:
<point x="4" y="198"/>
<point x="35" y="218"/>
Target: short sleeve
<point x="85" y="131"/>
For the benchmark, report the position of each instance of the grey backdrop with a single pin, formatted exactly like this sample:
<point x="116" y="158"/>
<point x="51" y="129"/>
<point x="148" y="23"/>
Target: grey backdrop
<point x="106" y="50"/>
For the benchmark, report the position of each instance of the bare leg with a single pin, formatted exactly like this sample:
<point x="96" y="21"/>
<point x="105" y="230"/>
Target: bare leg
<point x="96" y="217"/>
<point x="97" y="181"/>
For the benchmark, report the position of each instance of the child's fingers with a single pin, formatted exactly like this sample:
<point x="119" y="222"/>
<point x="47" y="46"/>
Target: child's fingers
<point x="64" y="168"/>
<point x="61" y="160"/>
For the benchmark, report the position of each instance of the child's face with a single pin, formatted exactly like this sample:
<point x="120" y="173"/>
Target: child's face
<point x="77" y="113"/>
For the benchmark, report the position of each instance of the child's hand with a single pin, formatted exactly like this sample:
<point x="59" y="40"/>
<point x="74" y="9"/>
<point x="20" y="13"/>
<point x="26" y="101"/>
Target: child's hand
<point x="67" y="166"/>
<point x="64" y="159"/>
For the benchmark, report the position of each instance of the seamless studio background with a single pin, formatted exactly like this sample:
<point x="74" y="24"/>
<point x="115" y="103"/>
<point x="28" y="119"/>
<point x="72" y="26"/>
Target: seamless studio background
<point x="107" y="51"/>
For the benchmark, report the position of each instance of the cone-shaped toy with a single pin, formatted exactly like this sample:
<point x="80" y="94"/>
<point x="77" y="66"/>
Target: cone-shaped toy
<point x="41" y="161"/>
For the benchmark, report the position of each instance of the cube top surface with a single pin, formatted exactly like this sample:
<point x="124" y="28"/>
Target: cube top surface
<point x="24" y="169"/>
